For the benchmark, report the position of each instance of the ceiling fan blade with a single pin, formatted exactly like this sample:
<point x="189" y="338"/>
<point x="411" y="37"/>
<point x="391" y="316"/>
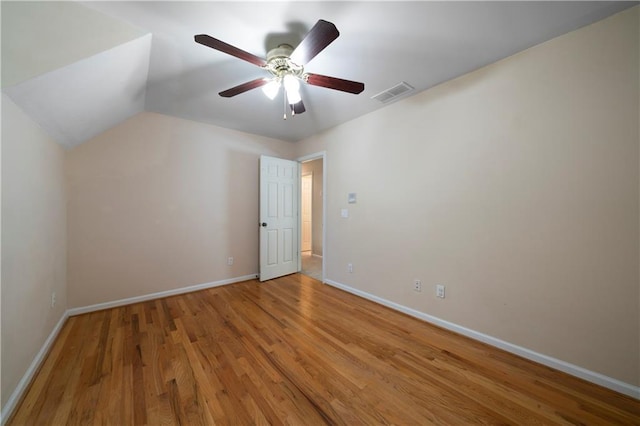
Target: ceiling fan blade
<point x="298" y="108"/>
<point x="229" y="49"/>
<point x="319" y="37"/>
<point x="241" y="88"/>
<point x="349" y="86"/>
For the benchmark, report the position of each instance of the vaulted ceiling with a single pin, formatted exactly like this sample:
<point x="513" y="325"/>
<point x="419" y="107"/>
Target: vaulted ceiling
<point x="80" y="68"/>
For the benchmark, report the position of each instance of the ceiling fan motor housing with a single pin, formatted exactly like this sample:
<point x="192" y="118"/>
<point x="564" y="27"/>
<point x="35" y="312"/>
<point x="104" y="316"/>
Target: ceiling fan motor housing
<point x="279" y="64"/>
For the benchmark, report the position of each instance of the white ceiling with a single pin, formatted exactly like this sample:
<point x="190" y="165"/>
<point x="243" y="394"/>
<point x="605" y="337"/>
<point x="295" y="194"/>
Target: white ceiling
<point x="380" y="44"/>
<point x="77" y="102"/>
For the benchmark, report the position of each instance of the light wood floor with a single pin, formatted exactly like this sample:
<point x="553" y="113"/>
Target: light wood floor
<point x="294" y="351"/>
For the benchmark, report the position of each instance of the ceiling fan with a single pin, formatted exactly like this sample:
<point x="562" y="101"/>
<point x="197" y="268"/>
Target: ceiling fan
<point x="286" y="66"/>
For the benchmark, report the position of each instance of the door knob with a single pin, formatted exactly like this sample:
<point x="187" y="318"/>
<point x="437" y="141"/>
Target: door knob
<point x="264" y="224"/>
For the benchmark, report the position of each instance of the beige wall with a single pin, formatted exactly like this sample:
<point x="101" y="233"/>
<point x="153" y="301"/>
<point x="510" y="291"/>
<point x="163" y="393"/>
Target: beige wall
<point x="160" y="203"/>
<point x="314" y="167"/>
<point x="33" y="242"/>
<point x="517" y="187"/>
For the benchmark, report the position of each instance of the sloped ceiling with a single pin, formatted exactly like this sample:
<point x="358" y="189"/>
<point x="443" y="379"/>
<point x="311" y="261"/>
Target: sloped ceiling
<point x="79" y="101"/>
<point x="75" y="71"/>
<point x="80" y="68"/>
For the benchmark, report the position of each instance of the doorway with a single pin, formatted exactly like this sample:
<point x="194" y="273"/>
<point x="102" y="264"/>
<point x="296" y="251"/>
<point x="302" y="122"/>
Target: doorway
<point x="312" y="181"/>
<point x="306" y="211"/>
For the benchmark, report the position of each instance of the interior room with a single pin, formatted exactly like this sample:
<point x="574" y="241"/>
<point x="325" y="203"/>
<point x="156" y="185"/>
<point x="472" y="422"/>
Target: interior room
<point x="456" y="170"/>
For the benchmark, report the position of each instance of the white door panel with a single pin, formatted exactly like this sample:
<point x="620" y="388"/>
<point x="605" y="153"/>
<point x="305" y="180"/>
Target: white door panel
<point x="278" y="217"/>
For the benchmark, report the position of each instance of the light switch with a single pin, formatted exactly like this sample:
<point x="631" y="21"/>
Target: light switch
<point x="344" y="212"/>
<point x="351" y="198"/>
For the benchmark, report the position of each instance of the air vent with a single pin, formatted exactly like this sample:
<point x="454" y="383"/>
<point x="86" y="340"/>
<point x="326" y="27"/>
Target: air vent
<point x="393" y="92"/>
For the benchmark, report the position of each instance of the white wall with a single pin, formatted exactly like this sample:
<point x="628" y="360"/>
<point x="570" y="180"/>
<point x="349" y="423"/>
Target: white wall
<point x="517" y="187"/>
<point x="34" y="242"/>
<point x="159" y="203"/>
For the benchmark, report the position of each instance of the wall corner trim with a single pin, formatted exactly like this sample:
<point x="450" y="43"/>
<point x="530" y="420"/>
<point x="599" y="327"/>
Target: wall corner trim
<point x="574" y="370"/>
<point x="151" y="296"/>
<point x="24" y="383"/>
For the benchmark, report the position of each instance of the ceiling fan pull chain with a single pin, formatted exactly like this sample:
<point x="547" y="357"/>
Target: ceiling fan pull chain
<point x="284" y="98"/>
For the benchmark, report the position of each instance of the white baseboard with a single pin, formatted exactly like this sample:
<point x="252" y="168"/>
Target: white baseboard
<point x="574" y="370"/>
<point x="152" y="296"/>
<point x="13" y="400"/>
<point x="23" y="384"/>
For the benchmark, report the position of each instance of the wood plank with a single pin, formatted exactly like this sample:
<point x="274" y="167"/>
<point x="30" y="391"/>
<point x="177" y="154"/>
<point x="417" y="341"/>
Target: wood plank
<point x="294" y="351"/>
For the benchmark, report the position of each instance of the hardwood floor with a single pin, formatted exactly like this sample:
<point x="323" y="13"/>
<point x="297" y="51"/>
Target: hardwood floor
<point x="294" y="351"/>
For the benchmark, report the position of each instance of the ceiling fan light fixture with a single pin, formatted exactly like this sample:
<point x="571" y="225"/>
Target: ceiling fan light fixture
<point x="292" y="87"/>
<point x="272" y="88"/>
<point x="286" y="66"/>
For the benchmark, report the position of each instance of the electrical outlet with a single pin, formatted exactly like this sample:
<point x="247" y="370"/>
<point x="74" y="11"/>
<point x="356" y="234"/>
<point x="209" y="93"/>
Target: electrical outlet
<point x="230" y="261"/>
<point x="417" y="285"/>
<point x="440" y="291"/>
<point x="350" y="268"/>
<point x="53" y="299"/>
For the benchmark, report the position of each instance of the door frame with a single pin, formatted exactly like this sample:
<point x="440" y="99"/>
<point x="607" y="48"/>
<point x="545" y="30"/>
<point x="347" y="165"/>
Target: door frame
<point x="309" y="157"/>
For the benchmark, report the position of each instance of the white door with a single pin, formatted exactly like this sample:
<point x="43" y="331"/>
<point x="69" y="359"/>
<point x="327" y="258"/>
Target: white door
<point x="278" y="217"/>
<point x="307" y="187"/>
